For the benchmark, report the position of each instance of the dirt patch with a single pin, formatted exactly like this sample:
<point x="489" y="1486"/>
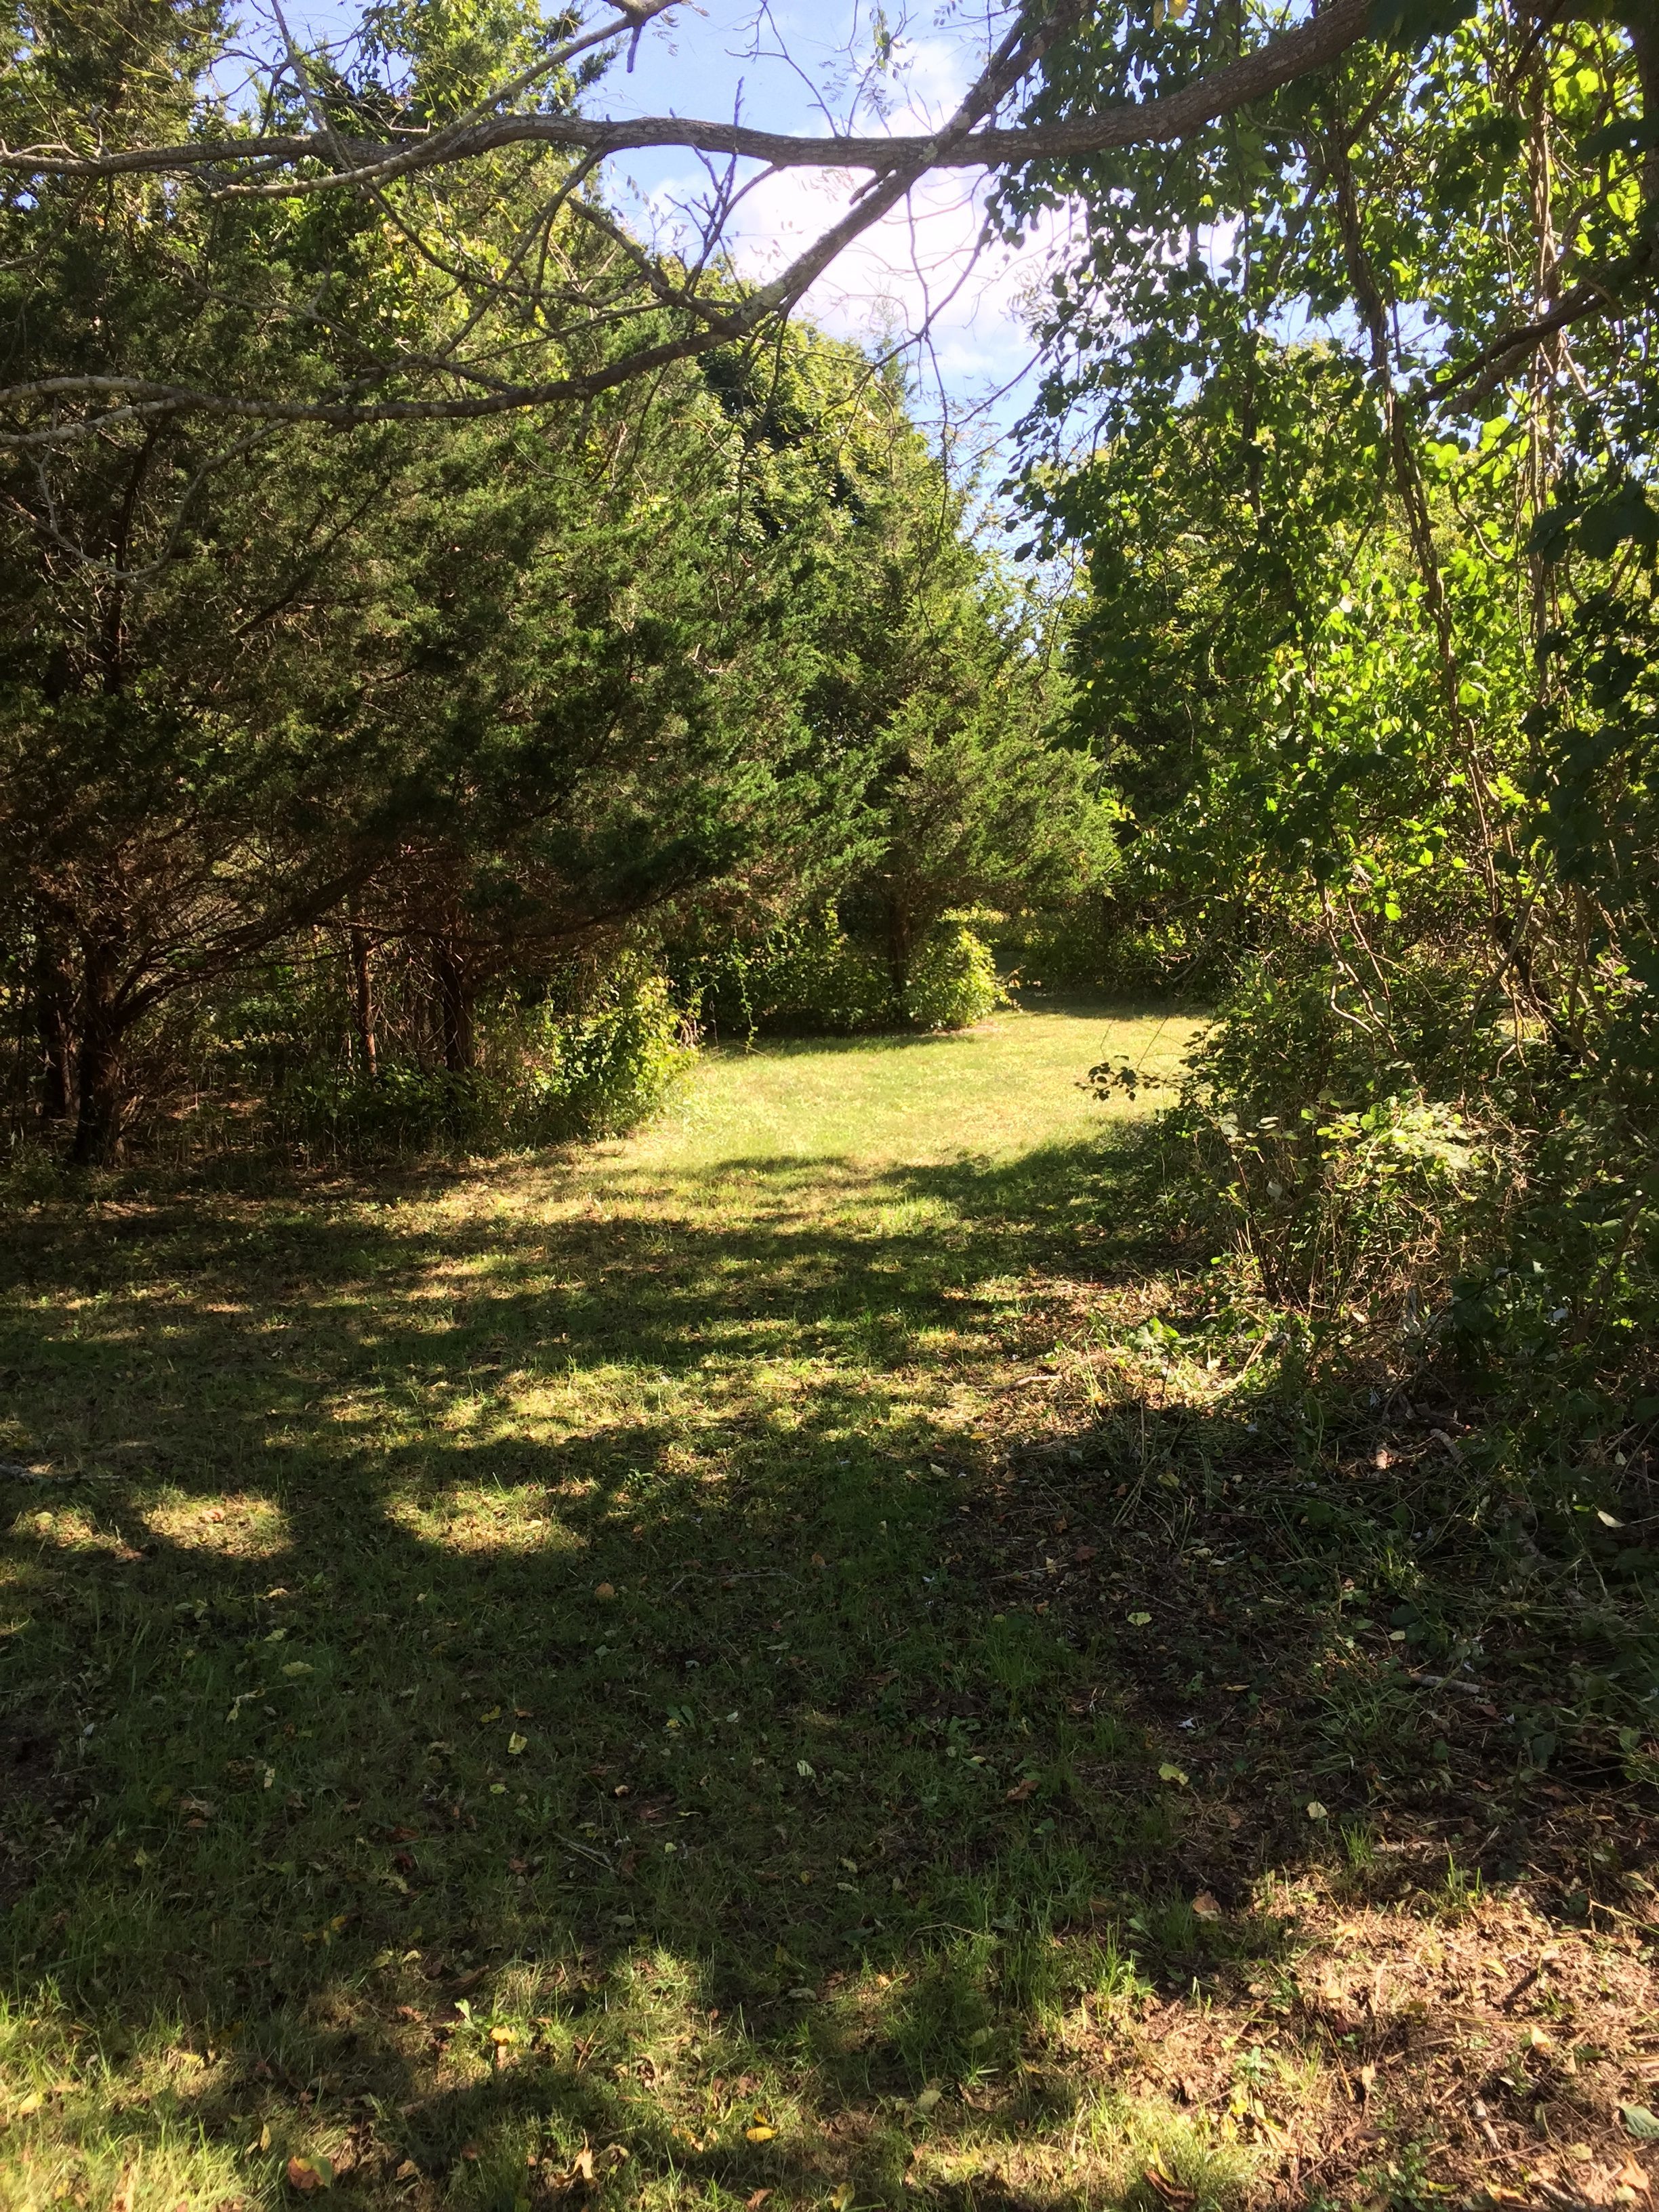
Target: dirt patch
<point x="1499" y="2055"/>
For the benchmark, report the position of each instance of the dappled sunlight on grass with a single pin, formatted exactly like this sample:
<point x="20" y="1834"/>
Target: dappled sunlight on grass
<point x="236" y="1525"/>
<point x="631" y="1677"/>
<point x="483" y="1519"/>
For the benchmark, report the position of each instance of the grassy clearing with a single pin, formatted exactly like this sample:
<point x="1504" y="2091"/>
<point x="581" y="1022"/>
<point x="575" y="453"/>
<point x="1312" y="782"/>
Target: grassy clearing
<point x="735" y="1668"/>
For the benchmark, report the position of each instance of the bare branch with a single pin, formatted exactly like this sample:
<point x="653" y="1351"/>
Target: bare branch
<point x="138" y="399"/>
<point x="55" y="412"/>
<point x="1279" y="61"/>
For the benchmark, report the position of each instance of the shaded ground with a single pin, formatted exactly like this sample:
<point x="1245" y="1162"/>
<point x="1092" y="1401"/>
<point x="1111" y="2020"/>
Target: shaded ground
<point x="738" y="1668"/>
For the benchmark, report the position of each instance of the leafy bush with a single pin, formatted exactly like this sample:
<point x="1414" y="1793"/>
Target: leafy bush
<point x="1096" y="944"/>
<point x="1458" y="1175"/>
<point x="405" y="1109"/>
<point x="602" y="1071"/>
<point x="810" y="976"/>
<point x="1338" y="1148"/>
<point x="953" y="981"/>
<point x="1337" y="1207"/>
<point x="805" y="975"/>
<point x="550" y="1074"/>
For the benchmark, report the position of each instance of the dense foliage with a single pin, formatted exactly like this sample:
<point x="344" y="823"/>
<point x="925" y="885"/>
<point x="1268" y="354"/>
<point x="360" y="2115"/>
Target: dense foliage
<point x="1367" y="649"/>
<point x="341" y="772"/>
<point x="352" y="782"/>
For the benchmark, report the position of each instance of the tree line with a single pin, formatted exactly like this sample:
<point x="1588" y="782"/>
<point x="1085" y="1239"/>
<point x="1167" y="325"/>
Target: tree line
<point x="380" y="745"/>
<point x="1367" y="649"/>
<point x="335" y="750"/>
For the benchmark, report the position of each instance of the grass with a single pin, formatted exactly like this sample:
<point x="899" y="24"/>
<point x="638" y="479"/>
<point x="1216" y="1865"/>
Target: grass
<point x="688" y="1673"/>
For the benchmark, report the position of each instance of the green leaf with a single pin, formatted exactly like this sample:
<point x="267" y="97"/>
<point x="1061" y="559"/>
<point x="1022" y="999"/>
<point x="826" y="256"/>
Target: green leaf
<point x="1642" y="2124"/>
<point x="1630" y="134"/>
<point x="1604" y="527"/>
<point x="1603" y="11"/>
<point x="1552" y="532"/>
<point x="1406" y="25"/>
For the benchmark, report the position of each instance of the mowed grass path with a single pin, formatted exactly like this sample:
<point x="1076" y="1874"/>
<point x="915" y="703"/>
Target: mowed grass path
<point x="496" y="1709"/>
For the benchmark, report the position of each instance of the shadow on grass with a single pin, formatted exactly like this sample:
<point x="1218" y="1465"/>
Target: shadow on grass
<point x="644" y="1635"/>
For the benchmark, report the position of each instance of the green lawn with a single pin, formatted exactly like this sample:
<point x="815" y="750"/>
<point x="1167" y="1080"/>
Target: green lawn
<point x="582" y="1677"/>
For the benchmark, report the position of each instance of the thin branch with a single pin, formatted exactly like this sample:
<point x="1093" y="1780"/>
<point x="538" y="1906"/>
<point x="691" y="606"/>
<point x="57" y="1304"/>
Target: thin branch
<point x="142" y="400"/>
<point x="1495" y="363"/>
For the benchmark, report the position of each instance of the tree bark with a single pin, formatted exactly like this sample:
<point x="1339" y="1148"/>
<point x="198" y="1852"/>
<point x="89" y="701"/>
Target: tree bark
<point x="362" y="990"/>
<point x="53" y="994"/>
<point x="901" y="943"/>
<point x="454" y="1006"/>
<point x="100" y="1100"/>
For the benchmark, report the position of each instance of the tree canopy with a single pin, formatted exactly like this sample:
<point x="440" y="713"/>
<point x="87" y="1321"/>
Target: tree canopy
<point x="409" y="132"/>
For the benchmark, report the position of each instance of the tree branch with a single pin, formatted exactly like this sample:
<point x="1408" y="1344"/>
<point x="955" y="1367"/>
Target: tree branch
<point x="1279" y="61"/>
<point x="1496" y="363"/>
<point x="325" y="160"/>
<point x="140" y="400"/>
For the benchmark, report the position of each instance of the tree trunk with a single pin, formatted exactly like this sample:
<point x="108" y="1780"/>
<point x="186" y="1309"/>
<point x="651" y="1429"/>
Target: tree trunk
<point x="54" y="1022"/>
<point x="363" y="1007"/>
<point x="454" y="1006"/>
<point x="100" y="1100"/>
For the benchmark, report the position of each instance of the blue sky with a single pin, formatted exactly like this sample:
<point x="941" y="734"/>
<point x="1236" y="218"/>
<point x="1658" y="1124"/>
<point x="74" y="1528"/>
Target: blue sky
<point x="786" y="65"/>
<point x="918" y="269"/>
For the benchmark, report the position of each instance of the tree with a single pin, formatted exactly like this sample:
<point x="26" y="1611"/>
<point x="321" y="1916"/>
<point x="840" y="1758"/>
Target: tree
<point x="486" y="691"/>
<point x="1371" y="637"/>
<point x="398" y="139"/>
<point x="928" y="684"/>
<point x="159" y="595"/>
<point x="580" y="683"/>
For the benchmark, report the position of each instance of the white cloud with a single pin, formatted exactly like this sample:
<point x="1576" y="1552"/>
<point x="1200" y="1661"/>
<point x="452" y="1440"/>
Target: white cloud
<point x="924" y="271"/>
<point x="923" y="268"/>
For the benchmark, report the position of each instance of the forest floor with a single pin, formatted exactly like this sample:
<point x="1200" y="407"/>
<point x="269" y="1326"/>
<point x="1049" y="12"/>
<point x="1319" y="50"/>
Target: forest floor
<point x="748" y="1668"/>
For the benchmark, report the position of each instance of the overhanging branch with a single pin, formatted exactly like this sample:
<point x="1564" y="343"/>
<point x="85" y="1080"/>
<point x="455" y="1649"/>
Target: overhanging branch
<point x="312" y="158"/>
<point x="328" y="160"/>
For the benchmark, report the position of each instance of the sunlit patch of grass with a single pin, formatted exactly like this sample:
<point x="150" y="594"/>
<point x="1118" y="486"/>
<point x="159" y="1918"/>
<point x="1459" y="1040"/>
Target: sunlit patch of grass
<point x="93" y="2120"/>
<point x="486" y="1518"/>
<point x="69" y="1528"/>
<point x="236" y="1524"/>
<point x="1144" y="2142"/>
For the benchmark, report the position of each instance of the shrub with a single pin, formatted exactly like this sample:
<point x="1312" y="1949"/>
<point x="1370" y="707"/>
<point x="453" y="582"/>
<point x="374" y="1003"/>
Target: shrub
<point x="599" y="1073"/>
<point x="1095" y="945"/>
<point x="953" y="981"/>
<point x="338" y="1110"/>
<point x="549" y="1073"/>
<point x="808" y="976"/>
<point x="1323" y="1149"/>
<point x="805" y="975"/>
<point x="1337" y="1207"/>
